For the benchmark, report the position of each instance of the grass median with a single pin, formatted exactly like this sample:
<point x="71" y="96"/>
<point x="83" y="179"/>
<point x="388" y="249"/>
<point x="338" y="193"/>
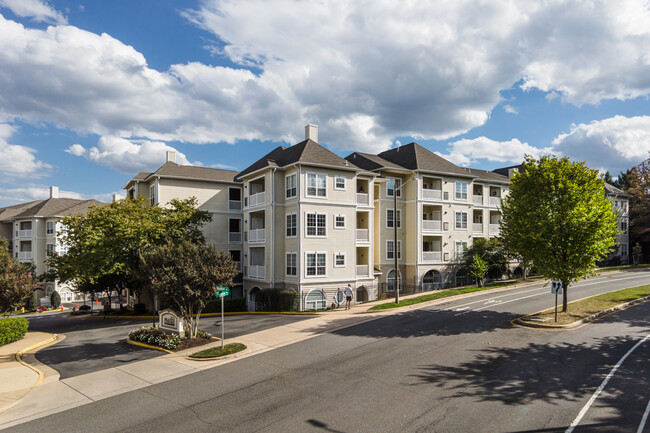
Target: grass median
<point x="436" y="295"/>
<point x="217" y="352"/>
<point x="578" y="310"/>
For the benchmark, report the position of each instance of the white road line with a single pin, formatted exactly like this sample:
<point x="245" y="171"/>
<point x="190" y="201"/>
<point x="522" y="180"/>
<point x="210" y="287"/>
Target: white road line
<point x="644" y="419"/>
<point x="584" y="410"/>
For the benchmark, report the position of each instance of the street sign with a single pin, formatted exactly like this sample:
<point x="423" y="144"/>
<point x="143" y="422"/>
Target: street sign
<point x="222" y="291"/>
<point x="556" y="287"/>
<point x="222" y="294"/>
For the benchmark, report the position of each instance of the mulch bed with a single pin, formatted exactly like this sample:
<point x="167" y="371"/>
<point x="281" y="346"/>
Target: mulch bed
<point x="194" y="342"/>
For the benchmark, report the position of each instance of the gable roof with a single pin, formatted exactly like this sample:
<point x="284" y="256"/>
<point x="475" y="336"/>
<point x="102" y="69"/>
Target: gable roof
<point x="415" y="157"/>
<point x="307" y="151"/>
<point x="52" y="207"/>
<point x="612" y="190"/>
<point x="171" y="169"/>
<point x="371" y="162"/>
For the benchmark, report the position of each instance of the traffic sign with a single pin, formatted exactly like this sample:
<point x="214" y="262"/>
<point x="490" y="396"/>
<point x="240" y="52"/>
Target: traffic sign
<point x="222" y="291"/>
<point x="556" y="287"/>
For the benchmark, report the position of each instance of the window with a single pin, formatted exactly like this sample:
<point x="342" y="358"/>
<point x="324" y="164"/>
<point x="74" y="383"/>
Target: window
<point x="461" y="220"/>
<point x="291" y="225"/>
<point x="390" y="218"/>
<point x="49" y="249"/>
<point x="316" y="264"/>
<point x="49" y="228"/>
<point x="290" y="186"/>
<point x="152" y="194"/>
<point x="316" y="224"/>
<point x="236" y="258"/>
<point x="624" y="226"/>
<point x="291" y="264"/>
<point x="461" y="249"/>
<point x="316" y="185"/>
<point x="461" y="190"/>
<point x="390" y="251"/>
<point x="339" y="183"/>
<point x="623" y="248"/>
<point x="339" y="260"/>
<point x="234" y="199"/>
<point x="339" y="221"/>
<point x="392" y="185"/>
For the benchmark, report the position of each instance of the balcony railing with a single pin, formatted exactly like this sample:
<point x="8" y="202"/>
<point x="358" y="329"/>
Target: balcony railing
<point x="495" y="229"/>
<point x="477" y="199"/>
<point x="431" y="225"/>
<point x="257" y="199"/>
<point x="363" y="270"/>
<point x="431" y="256"/>
<point x="431" y="194"/>
<point x="257" y="271"/>
<point x="363" y="199"/>
<point x="234" y="204"/>
<point x="257" y="235"/>
<point x="234" y="237"/>
<point x="477" y="227"/>
<point x="495" y="201"/>
<point x="363" y="235"/>
<point x="25" y="233"/>
<point x="25" y="255"/>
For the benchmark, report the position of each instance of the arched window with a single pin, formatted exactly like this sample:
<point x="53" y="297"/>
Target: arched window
<point x="315" y="300"/>
<point x="390" y="281"/>
<point x="432" y="280"/>
<point x="362" y="294"/>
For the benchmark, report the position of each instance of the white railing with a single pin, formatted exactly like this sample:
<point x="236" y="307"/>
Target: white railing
<point x="363" y="270"/>
<point x="24" y="233"/>
<point x="495" y="201"/>
<point x="477" y="227"/>
<point x="234" y="204"/>
<point x="257" y="235"/>
<point x="431" y="256"/>
<point x="431" y="286"/>
<point x="257" y="199"/>
<point x="494" y="229"/>
<point x="24" y="255"/>
<point x="431" y="194"/>
<point x="431" y="225"/>
<point x="363" y="199"/>
<point x="234" y="237"/>
<point x="478" y="199"/>
<point x="363" y="235"/>
<point x="257" y="271"/>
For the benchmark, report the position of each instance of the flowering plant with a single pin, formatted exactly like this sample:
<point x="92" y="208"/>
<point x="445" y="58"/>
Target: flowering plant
<point x="154" y="336"/>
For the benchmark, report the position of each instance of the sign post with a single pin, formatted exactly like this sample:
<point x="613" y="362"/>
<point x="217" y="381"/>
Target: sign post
<point x="556" y="288"/>
<point x="222" y="292"/>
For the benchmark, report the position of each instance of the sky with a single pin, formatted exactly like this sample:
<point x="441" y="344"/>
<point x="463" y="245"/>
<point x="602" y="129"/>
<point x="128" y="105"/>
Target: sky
<point x="93" y="92"/>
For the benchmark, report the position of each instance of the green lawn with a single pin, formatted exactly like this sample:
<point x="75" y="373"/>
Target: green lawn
<point x="217" y="352"/>
<point x="621" y="268"/>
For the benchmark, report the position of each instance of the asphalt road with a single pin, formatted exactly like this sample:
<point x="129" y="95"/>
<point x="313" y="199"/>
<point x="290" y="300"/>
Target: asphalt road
<point x="456" y="367"/>
<point x="94" y="344"/>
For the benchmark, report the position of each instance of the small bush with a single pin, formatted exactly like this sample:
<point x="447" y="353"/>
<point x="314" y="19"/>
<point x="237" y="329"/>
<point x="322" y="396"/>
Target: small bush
<point x="139" y="308"/>
<point x="41" y="309"/>
<point x="55" y="299"/>
<point x="216" y="352"/>
<point x="85" y="308"/>
<point x="31" y="303"/>
<point x="203" y="334"/>
<point x="152" y="335"/>
<point x="12" y="329"/>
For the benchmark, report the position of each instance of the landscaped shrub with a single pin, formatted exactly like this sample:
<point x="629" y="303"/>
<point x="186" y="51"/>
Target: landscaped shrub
<point x="230" y="305"/>
<point x="203" y="334"/>
<point x="276" y="300"/>
<point x="55" y="299"/>
<point x="152" y="335"/>
<point x="139" y="308"/>
<point x="12" y="329"/>
<point x="31" y="303"/>
<point x="41" y="309"/>
<point x="85" y="308"/>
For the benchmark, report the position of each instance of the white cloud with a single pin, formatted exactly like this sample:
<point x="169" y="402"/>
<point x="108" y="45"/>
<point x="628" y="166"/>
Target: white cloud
<point x="510" y="109"/>
<point x="37" y="10"/>
<point x="467" y="151"/>
<point x="366" y="72"/>
<point x="128" y="156"/>
<point x="613" y="144"/>
<point x="18" y="161"/>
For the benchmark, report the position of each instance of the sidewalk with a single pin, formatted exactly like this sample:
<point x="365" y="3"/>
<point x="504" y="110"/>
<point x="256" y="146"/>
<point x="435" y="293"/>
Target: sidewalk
<point x="25" y="404"/>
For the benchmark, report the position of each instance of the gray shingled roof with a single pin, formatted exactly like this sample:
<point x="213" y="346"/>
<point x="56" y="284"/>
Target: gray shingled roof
<point x="488" y="175"/>
<point x="612" y="190"/>
<point x="415" y="157"/>
<point x="52" y="207"/>
<point x="172" y="169"/>
<point x="307" y="151"/>
<point x="371" y="162"/>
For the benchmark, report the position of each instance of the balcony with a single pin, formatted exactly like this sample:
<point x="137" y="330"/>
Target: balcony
<point x="257" y="271"/>
<point x="25" y="255"/>
<point x="234" y="205"/>
<point x="257" y="199"/>
<point x="234" y="238"/>
<point x="431" y="194"/>
<point x="477" y="199"/>
<point x="363" y="235"/>
<point x="495" y="229"/>
<point x="25" y="234"/>
<point x="431" y="226"/>
<point x="257" y="235"/>
<point x="363" y="270"/>
<point x="477" y="228"/>
<point x="432" y="256"/>
<point x="495" y="201"/>
<point x="363" y="199"/>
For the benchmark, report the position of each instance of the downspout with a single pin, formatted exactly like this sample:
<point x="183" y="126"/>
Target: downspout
<point x="272" y="227"/>
<point x="299" y="234"/>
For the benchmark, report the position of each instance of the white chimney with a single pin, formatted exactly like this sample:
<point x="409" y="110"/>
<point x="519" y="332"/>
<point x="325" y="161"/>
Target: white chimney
<point x="54" y="192"/>
<point x="311" y="132"/>
<point x="116" y="197"/>
<point x="171" y="156"/>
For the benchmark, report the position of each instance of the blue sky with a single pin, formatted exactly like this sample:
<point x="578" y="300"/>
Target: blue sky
<point x="92" y="92"/>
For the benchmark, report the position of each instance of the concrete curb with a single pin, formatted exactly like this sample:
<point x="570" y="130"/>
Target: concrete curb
<point x="579" y="323"/>
<point x="218" y="358"/>
<point x="148" y="346"/>
<point x="41" y="376"/>
<point x="235" y="313"/>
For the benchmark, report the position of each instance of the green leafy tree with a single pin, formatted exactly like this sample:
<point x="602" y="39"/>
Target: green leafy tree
<point x="187" y="274"/>
<point x="31" y="303"/>
<point x="623" y="180"/>
<point x="637" y="251"/>
<point x="639" y="197"/>
<point x="492" y="252"/>
<point x="607" y="177"/>
<point x="558" y="216"/>
<point x="55" y="299"/>
<point x="478" y="269"/>
<point x="17" y="282"/>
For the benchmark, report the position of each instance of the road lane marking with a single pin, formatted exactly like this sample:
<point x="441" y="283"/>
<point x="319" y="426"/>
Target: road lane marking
<point x="593" y="398"/>
<point x="644" y="419"/>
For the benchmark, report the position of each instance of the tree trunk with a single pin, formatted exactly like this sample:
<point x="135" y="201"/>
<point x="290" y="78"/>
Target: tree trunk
<point x="565" y="290"/>
<point x="525" y="269"/>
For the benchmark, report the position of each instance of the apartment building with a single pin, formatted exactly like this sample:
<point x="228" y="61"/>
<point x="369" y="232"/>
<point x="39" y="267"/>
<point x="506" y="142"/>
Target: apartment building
<point x="32" y="231"/>
<point x="216" y="191"/>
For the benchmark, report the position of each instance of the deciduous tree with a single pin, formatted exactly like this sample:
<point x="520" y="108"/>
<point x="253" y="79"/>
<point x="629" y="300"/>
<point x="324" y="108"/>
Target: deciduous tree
<point x="17" y="282"/>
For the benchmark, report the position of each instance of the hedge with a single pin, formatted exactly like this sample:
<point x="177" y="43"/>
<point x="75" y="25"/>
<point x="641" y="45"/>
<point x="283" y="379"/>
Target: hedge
<point x="12" y="329"/>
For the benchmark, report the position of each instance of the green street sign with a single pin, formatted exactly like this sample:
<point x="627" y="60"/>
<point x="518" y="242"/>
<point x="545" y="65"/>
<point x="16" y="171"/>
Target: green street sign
<point x="222" y="291"/>
<point x="222" y="294"/>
